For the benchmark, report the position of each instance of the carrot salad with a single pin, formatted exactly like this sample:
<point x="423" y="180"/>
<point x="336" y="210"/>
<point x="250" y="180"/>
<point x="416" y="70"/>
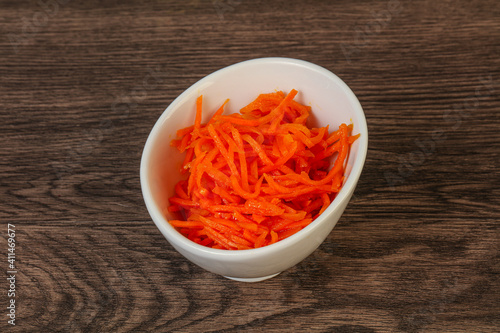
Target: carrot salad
<point x="258" y="176"/>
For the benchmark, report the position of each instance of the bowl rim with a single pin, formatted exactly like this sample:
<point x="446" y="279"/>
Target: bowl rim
<point x="177" y="239"/>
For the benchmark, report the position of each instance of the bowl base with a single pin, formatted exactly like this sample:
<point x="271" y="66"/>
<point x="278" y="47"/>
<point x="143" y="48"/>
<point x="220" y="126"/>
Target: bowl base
<point x="257" y="279"/>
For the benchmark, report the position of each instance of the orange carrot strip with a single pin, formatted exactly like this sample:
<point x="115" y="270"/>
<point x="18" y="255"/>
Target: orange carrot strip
<point x="250" y="236"/>
<point x="274" y="237"/>
<point x="303" y="190"/>
<point x="200" y="146"/>
<point x="185" y="131"/>
<point x="241" y="156"/>
<point x="333" y="148"/>
<point x="220" y="239"/>
<point x="263" y="207"/>
<point x="295" y="216"/>
<point x="321" y="134"/>
<point x="276" y="121"/>
<point x="254" y="170"/>
<point x="174" y="209"/>
<point x="257" y="148"/>
<point x="226" y="208"/>
<point x="192" y="176"/>
<point x="282" y="159"/>
<point x="218" y="221"/>
<point x="225" y="194"/>
<point x="251" y="226"/>
<point x="298" y="131"/>
<point x="219" y="177"/>
<point x="264" y="119"/>
<point x="218" y="112"/>
<point x="244" y="171"/>
<point x="260" y="240"/>
<point x="288" y="232"/>
<point x="281" y="224"/>
<point x="327" y="152"/>
<point x="186" y="224"/>
<point x="264" y="103"/>
<point x="278" y="188"/>
<point x="197" y="120"/>
<point x="244" y="194"/>
<point x="206" y="242"/>
<point x="240" y="241"/>
<point x="335" y="136"/>
<point x="258" y="218"/>
<point x="183" y="202"/>
<point x="180" y="191"/>
<point x="354" y="138"/>
<point x="187" y="159"/>
<point x="304" y="178"/>
<point x="223" y="150"/>
<point x="216" y="225"/>
<point x="326" y="202"/>
<point x="231" y="143"/>
<point x="184" y="143"/>
<point x="241" y="218"/>
<point x="316" y="204"/>
<point x="300" y="224"/>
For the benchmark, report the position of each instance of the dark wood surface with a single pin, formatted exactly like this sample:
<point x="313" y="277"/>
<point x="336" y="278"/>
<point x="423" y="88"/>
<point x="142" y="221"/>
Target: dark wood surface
<point x="82" y="84"/>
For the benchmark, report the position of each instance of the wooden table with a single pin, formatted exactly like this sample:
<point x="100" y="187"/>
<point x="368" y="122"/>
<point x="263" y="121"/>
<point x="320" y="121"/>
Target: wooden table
<point x="417" y="249"/>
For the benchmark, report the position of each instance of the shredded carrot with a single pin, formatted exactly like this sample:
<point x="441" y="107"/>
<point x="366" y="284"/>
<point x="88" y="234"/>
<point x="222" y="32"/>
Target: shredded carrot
<point x="258" y="176"/>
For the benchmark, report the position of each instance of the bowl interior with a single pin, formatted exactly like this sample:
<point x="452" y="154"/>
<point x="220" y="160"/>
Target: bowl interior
<point x="331" y="100"/>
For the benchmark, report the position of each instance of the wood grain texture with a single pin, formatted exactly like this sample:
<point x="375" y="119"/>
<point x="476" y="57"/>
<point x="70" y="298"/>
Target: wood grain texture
<point x="417" y="249"/>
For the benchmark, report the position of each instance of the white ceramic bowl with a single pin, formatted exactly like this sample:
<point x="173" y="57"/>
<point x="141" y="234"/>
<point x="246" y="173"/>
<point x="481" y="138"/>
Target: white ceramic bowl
<point x="332" y="103"/>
